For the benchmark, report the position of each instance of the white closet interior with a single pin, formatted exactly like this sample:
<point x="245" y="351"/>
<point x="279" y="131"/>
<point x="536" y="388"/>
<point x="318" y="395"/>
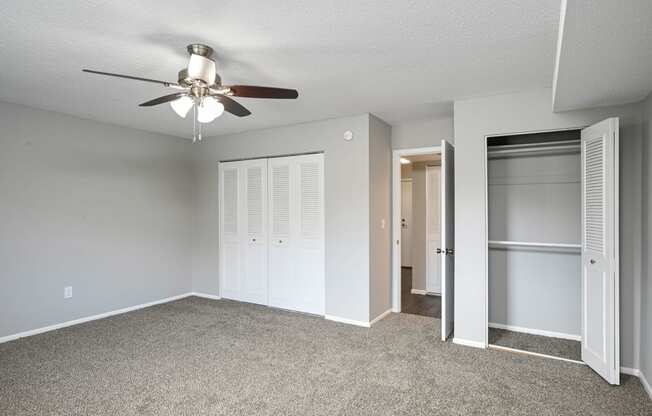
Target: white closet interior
<point x="272" y="232"/>
<point x="534" y="209"/>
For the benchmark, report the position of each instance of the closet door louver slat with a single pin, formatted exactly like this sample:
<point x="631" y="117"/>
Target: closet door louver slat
<point x="594" y="208"/>
<point x="230" y="201"/>
<point x="255" y="195"/>
<point x="311" y="203"/>
<point x="280" y="191"/>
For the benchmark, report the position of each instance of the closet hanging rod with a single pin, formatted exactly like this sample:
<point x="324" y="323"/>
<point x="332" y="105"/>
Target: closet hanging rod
<point x="498" y="243"/>
<point x="534" y="145"/>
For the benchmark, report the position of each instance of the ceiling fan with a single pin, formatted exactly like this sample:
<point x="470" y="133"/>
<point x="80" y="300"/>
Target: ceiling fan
<point x="200" y="89"/>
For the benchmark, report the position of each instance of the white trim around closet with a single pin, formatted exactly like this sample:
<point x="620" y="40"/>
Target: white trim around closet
<point x="485" y="259"/>
<point x="531" y="331"/>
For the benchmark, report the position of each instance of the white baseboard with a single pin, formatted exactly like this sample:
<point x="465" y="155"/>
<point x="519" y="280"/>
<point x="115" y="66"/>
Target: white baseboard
<point x="551" y="334"/>
<point x="645" y="383"/>
<point x="535" y="354"/>
<point x="347" y="321"/>
<point x="630" y="371"/>
<point x="469" y="343"/>
<point x="424" y="292"/>
<point x="89" y="318"/>
<point x="380" y="317"/>
<point x="205" y="296"/>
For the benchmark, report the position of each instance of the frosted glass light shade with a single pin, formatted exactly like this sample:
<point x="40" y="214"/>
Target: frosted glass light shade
<point x="182" y="105"/>
<point x="209" y="110"/>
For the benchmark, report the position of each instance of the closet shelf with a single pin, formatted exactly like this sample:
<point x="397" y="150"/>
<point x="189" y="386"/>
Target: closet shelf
<point x="549" y="148"/>
<point x="507" y="244"/>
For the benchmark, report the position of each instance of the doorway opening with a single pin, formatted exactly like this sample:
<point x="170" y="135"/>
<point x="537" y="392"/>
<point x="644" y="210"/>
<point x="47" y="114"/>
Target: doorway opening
<point x="423" y="233"/>
<point x="420" y="235"/>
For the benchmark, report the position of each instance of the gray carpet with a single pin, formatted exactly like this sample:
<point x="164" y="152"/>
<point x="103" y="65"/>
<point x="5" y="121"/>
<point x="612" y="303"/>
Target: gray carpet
<point x="556" y="347"/>
<point x="204" y="357"/>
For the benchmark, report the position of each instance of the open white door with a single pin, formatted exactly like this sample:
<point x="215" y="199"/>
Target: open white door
<point x="406" y="223"/>
<point x="447" y="248"/>
<point x="433" y="229"/>
<point x="600" y="280"/>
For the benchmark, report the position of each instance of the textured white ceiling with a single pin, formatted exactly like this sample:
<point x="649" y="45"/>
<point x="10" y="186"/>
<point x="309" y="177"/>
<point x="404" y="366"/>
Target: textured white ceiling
<point x="399" y="59"/>
<point x="604" y="54"/>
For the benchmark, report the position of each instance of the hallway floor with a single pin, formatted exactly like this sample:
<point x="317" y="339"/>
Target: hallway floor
<point x="424" y="305"/>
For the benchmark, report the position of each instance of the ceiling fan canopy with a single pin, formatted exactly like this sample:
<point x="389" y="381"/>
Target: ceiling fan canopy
<point x="199" y="87"/>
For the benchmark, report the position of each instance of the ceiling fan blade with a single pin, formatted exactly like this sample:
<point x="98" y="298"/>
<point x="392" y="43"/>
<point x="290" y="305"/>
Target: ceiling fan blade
<point x="253" y="91"/>
<point x="155" y="81"/>
<point x="163" y="99"/>
<point x="232" y="106"/>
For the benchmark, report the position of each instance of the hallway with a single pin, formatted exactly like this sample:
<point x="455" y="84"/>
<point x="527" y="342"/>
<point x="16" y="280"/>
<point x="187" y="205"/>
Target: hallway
<point x="424" y="305"/>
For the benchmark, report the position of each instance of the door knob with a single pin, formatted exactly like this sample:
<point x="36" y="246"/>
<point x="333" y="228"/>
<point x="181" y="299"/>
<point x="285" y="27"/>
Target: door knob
<point x="592" y="261"/>
<point x="439" y="251"/>
<point x="449" y="251"/>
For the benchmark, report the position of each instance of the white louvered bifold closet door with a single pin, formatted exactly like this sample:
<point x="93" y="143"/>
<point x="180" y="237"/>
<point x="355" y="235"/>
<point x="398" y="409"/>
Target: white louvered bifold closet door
<point x="243" y="224"/>
<point x="600" y="280"/>
<point x="254" y="237"/>
<point x="230" y="230"/>
<point x="281" y="268"/>
<point x="296" y="230"/>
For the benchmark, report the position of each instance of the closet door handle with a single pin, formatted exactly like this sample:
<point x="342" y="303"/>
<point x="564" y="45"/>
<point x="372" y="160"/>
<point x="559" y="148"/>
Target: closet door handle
<point x="592" y="261"/>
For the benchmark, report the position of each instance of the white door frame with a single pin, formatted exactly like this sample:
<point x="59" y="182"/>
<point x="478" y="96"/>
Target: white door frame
<point x="396" y="217"/>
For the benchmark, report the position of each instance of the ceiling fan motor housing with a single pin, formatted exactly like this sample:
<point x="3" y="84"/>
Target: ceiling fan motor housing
<point x="202" y="69"/>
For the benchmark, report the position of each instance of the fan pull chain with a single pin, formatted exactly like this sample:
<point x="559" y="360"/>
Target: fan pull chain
<point x="194" y="123"/>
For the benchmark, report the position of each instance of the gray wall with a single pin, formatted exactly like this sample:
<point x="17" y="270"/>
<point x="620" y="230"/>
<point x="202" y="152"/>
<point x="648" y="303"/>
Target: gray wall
<point x="646" y="284"/>
<point x="422" y="133"/>
<point x="380" y="217"/>
<point x="523" y="112"/>
<point x="104" y="209"/>
<point x="346" y="167"/>
<point x="535" y="199"/>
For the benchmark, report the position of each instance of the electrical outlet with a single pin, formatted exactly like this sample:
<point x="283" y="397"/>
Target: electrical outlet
<point x="67" y="292"/>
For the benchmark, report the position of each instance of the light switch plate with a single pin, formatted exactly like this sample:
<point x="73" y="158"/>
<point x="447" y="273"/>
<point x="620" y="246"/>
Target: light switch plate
<point x="67" y="292"/>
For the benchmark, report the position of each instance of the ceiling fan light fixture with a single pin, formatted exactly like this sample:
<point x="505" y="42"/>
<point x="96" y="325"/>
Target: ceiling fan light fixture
<point x="209" y="109"/>
<point x="182" y="105"/>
